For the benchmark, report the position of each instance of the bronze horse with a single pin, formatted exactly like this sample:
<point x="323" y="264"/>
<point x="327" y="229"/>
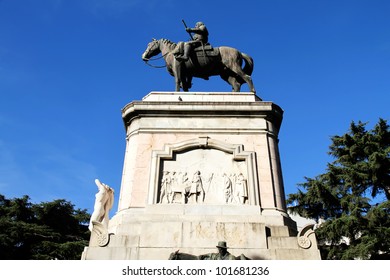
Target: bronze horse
<point x="184" y="256"/>
<point x="226" y="63"/>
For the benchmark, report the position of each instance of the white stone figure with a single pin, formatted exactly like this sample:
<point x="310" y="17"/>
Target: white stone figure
<point x="227" y="188"/>
<point x="232" y="178"/>
<point x="196" y="187"/>
<point x="186" y="186"/>
<point x="208" y="182"/>
<point x="241" y="188"/>
<point x="103" y="203"/>
<point x="177" y="187"/>
<point x="173" y="187"/>
<point x="165" y="187"/>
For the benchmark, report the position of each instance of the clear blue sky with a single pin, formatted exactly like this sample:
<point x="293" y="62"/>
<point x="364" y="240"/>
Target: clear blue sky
<point x="67" y="67"/>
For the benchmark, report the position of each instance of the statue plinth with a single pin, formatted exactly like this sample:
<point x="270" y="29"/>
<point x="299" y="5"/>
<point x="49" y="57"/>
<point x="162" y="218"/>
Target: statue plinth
<point x="202" y="167"/>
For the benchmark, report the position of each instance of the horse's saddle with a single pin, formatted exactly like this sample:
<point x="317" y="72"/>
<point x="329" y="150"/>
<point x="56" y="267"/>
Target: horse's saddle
<point x="206" y="50"/>
<point x="201" y="51"/>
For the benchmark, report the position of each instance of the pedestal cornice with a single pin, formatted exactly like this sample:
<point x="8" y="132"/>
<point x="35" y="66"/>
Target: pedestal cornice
<point x="202" y="104"/>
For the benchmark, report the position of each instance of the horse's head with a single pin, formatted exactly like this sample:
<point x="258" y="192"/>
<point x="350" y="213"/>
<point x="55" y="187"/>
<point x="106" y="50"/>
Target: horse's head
<point x="174" y="255"/>
<point x="152" y="49"/>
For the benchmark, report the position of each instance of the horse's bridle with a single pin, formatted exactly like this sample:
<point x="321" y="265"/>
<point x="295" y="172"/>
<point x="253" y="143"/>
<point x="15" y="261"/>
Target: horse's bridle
<point x="157" y="58"/>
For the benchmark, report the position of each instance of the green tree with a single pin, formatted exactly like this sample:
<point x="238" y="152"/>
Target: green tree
<point x="353" y="196"/>
<point x="48" y="230"/>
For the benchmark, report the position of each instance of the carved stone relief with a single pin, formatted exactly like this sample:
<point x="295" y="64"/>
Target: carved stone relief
<point x="176" y="187"/>
<point x="201" y="175"/>
<point x="203" y="170"/>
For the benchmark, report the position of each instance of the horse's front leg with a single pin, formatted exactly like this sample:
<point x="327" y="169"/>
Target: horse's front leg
<point x="177" y="82"/>
<point x="188" y="83"/>
<point x="177" y="74"/>
<point x="185" y="84"/>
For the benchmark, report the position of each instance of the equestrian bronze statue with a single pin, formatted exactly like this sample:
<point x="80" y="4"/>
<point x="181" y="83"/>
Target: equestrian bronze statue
<point x="197" y="58"/>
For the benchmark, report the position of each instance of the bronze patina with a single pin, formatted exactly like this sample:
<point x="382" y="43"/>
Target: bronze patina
<point x="197" y="58"/>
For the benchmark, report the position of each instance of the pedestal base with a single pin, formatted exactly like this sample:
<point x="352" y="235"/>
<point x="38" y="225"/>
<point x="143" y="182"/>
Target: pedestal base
<point x="202" y="167"/>
<point x="157" y="231"/>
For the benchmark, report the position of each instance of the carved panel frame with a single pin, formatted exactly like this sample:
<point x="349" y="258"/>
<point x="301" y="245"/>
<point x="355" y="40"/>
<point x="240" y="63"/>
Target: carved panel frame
<point x="236" y="150"/>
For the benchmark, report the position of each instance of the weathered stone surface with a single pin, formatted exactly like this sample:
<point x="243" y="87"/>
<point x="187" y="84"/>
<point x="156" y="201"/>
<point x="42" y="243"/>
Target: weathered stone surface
<point x="199" y="168"/>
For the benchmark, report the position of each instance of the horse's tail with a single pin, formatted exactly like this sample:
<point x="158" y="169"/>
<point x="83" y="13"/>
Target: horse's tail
<point x="248" y="67"/>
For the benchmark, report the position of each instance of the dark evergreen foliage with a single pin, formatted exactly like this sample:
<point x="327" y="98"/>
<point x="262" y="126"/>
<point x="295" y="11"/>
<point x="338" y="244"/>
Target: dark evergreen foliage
<point x="353" y="196"/>
<point x="44" y="231"/>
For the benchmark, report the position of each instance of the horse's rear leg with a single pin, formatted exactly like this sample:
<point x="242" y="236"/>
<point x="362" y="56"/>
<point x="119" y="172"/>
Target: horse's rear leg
<point x="231" y="80"/>
<point x="235" y="84"/>
<point x="237" y="69"/>
<point x="235" y="66"/>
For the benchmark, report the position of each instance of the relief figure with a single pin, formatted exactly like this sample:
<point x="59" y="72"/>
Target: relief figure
<point x="166" y="189"/>
<point x="241" y="189"/>
<point x="227" y="188"/>
<point x="196" y="188"/>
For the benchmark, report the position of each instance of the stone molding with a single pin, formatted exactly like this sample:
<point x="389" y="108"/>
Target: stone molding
<point x="204" y="105"/>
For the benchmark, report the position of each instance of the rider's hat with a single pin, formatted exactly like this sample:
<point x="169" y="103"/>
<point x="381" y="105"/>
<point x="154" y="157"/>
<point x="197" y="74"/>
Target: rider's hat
<point x="222" y="244"/>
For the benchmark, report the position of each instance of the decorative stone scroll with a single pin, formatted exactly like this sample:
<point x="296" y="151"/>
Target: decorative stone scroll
<point x="305" y="235"/>
<point x="99" y="235"/>
<point x="203" y="170"/>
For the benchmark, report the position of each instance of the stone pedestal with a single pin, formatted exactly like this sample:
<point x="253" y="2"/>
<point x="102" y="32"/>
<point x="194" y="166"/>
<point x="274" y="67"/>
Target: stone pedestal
<point x="201" y="167"/>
